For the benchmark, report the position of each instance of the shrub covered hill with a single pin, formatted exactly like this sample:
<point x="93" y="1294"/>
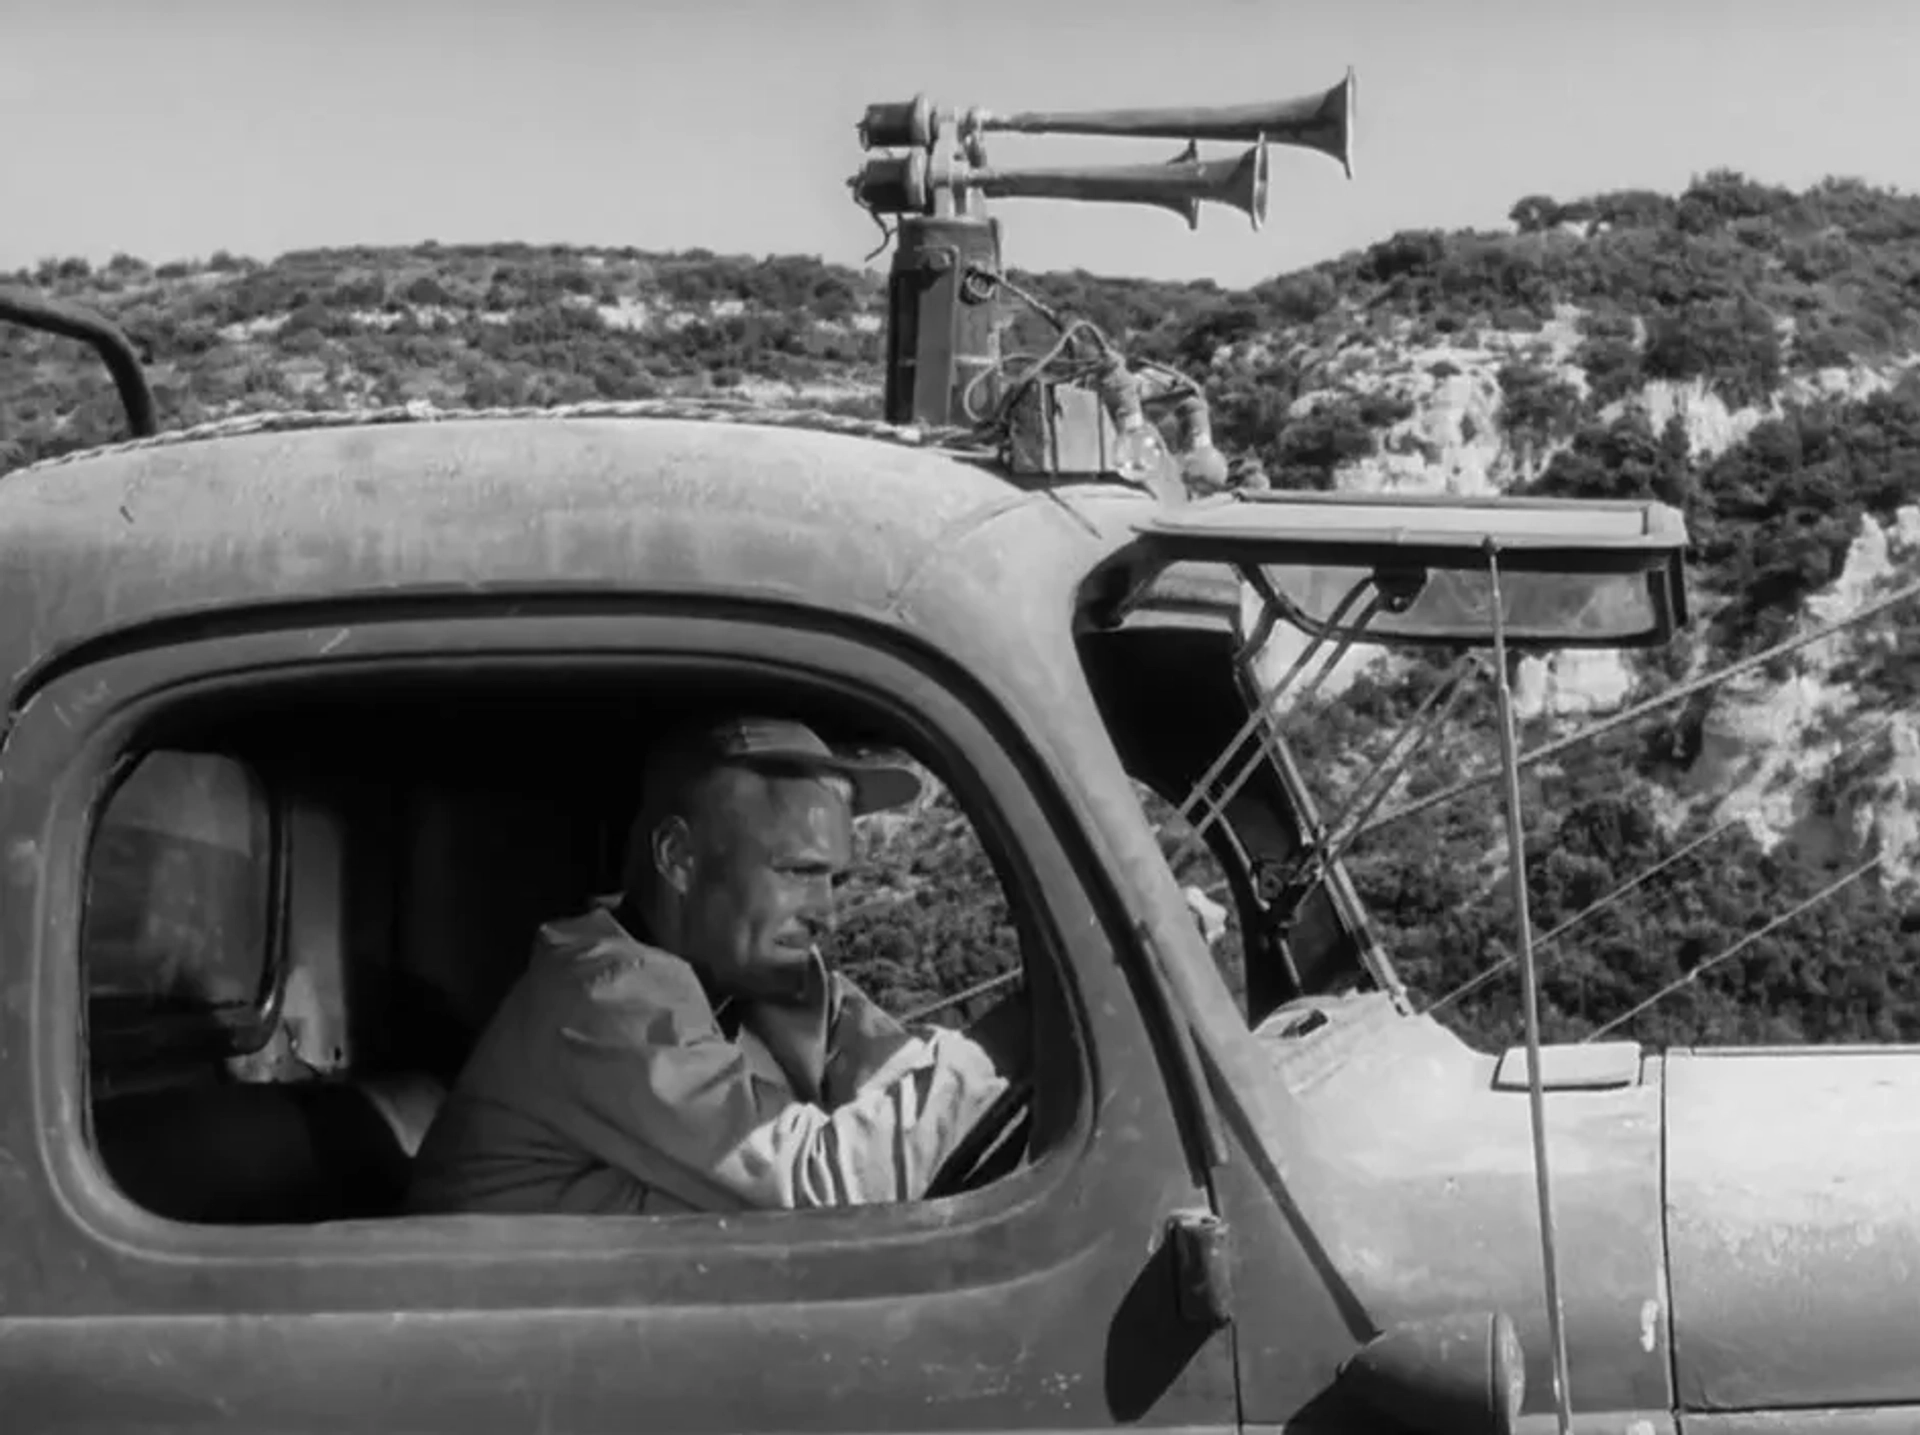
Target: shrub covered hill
<point x="1745" y="352"/>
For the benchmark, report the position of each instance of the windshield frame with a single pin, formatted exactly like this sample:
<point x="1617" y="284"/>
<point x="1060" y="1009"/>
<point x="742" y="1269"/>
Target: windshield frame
<point x="1402" y="543"/>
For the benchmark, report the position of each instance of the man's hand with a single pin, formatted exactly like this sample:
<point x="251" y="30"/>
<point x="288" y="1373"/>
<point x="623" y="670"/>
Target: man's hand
<point x="864" y="1039"/>
<point x="1211" y="916"/>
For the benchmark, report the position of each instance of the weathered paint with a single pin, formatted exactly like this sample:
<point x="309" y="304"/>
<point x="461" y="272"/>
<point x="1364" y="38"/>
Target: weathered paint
<point x="1793" y="1212"/>
<point x="1862" y="1421"/>
<point x="1436" y="1208"/>
<point x="838" y="522"/>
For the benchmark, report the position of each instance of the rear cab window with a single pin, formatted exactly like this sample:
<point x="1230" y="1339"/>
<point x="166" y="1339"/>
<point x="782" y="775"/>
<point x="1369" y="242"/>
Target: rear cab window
<point x="176" y="932"/>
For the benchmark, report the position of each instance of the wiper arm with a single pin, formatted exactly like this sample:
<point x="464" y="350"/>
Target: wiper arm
<point x="1329" y="843"/>
<point x="1264" y="715"/>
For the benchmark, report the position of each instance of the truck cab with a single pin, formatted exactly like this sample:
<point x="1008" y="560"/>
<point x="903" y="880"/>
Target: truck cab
<point x="310" y="728"/>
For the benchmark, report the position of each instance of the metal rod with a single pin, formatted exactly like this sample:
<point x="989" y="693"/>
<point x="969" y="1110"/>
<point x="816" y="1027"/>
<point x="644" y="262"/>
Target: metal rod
<point x="1424" y="723"/>
<point x="1329" y="842"/>
<point x="1536" y="1096"/>
<point x="109" y="341"/>
<point x="1259" y="712"/>
<point x="1628" y="716"/>
<point x="1262" y="717"/>
<point x="1252" y="642"/>
<point x="978" y="989"/>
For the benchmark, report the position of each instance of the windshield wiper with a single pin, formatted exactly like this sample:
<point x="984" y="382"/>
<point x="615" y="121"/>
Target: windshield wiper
<point x="1326" y="846"/>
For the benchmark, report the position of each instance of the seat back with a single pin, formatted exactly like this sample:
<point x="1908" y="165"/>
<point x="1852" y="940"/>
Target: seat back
<point x="266" y="1153"/>
<point x="484" y="870"/>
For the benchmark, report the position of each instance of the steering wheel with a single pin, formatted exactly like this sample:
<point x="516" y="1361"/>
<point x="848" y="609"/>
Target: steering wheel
<point x="996" y="1140"/>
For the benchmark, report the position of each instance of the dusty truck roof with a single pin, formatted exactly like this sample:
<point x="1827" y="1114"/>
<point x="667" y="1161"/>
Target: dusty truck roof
<point x="762" y="506"/>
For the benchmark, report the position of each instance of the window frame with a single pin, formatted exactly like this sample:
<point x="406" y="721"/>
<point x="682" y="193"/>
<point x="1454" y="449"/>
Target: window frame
<point x="1350" y="951"/>
<point x="209" y="1036"/>
<point x="1221" y="843"/>
<point x="955" y="723"/>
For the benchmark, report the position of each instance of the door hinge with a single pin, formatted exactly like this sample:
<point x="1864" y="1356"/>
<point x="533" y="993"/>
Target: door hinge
<point x="1202" y="1267"/>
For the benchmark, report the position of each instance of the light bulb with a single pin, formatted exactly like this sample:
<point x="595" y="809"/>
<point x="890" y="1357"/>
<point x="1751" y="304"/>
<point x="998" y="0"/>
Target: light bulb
<point x="1139" y="452"/>
<point x="1203" y="468"/>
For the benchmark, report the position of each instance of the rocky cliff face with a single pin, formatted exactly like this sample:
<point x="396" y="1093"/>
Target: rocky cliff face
<point x="1770" y="748"/>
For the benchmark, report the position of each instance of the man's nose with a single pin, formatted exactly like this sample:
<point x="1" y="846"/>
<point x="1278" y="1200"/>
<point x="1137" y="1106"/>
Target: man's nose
<point x="821" y="913"/>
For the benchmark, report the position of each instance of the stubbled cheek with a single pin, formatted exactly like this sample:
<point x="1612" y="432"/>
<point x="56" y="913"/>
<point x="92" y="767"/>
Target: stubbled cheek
<point x="829" y="828"/>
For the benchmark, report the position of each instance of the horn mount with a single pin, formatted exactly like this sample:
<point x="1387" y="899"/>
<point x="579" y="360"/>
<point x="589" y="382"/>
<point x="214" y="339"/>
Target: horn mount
<point x="1323" y="121"/>
<point x="910" y="184"/>
<point x="943" y="349"/>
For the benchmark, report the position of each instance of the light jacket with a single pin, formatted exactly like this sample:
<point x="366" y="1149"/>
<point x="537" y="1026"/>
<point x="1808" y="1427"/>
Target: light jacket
<point x="606" y="1084"/>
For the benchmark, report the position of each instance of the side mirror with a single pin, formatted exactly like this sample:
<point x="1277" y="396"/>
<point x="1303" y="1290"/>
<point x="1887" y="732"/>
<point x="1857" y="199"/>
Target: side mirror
<point x="1449" y="1375"/>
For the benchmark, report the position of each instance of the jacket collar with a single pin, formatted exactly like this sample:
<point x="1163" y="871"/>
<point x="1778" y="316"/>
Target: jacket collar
<point x="630" y="919"/>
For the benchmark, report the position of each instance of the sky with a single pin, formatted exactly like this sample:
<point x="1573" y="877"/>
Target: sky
<point x="172" y="128"/>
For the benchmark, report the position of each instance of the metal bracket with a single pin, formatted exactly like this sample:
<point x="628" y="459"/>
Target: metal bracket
<point x="1203" y="1267"/>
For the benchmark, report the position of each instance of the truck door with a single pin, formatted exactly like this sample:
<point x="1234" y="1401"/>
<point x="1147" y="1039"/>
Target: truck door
<point x="1044" y="1299"/>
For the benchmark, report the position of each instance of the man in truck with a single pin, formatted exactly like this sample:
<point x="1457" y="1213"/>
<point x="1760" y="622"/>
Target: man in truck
<point x="683" y="1047"/>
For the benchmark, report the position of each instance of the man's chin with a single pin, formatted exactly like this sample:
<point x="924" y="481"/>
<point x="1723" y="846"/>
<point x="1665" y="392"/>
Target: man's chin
<point x="769" y="974"/>
<point x="784" y="975"/>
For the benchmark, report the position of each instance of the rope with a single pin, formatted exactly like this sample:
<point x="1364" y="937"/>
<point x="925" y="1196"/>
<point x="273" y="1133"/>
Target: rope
<point x="1601" y="904"/>
<point x="958" y="440"/>
<point x="1738" y="947"/>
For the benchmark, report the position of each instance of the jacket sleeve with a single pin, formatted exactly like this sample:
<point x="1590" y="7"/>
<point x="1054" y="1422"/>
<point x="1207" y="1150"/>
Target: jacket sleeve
<point x="655" y="1082"/>
<point x="866" y="1044"/>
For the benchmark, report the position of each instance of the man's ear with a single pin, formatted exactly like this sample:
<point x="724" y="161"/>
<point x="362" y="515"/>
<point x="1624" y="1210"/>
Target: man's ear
<point x="672" y="848"/>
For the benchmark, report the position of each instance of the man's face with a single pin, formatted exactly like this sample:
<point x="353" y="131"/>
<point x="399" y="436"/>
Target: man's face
<point x="760" y="889"/>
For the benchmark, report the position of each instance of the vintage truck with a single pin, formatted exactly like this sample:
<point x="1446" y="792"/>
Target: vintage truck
<point x="312" y="718"/>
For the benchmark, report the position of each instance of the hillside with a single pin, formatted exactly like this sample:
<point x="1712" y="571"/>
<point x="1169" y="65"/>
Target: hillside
<point x="1746" y="352"/>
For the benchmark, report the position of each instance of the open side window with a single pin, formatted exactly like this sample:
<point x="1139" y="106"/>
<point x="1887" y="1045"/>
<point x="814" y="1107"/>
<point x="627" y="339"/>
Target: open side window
<point x="924" y="924"/>
<point x="275" y="1016"/>
<point x="1165" y="687"/>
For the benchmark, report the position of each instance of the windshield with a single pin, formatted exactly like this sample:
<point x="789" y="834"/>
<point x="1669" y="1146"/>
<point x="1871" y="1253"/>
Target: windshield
<point x="1547" y="610"/>
<point x="1680" y="881"/>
